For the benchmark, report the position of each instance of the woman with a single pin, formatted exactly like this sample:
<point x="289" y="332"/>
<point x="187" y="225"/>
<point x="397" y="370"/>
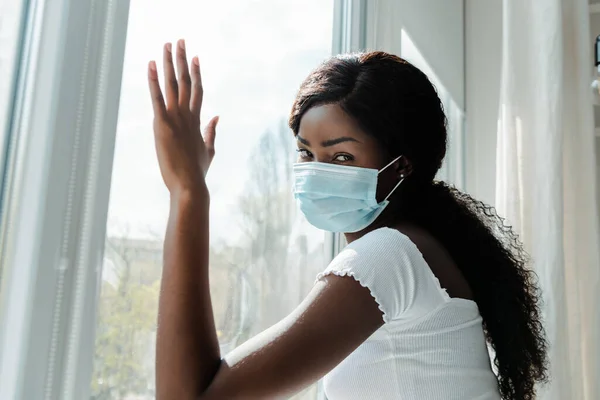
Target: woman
<point x="430" y="276"/>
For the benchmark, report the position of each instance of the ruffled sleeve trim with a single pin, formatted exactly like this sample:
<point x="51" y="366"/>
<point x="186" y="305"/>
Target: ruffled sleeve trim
<point x="350" y="273"/>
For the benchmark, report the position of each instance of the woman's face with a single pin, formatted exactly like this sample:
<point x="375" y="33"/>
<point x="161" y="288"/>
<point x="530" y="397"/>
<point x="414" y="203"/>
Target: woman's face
<point x="328" y="135"/>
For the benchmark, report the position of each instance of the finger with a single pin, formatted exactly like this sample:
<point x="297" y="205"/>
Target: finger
<point x="197" y="91"/>
<point x="158" y="102"/>
<point x="210" y="133"/>
<point x="184" y="76"/>
<point x="171" y="88"/>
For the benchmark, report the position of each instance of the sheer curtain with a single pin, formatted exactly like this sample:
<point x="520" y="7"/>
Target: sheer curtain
<point x="546" y="178"/>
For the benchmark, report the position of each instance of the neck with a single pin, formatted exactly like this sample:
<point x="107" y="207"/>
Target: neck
<point x="387" y="219"/>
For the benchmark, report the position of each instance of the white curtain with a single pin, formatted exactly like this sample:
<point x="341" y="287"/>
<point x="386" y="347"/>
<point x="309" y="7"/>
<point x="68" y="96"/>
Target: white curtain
<point x="546" y="179"/>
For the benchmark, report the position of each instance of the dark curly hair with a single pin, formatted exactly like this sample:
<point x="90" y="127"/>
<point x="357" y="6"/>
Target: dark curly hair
<point x="395" y="102"/>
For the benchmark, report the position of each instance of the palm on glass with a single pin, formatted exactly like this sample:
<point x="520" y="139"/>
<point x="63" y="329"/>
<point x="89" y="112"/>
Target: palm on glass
<point x="184" y="155"/>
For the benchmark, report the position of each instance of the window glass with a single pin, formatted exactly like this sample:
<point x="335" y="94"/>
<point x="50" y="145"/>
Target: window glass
<point x="264" y="256"/>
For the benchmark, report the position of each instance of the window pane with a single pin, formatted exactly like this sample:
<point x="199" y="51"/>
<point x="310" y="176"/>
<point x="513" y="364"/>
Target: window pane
<point x="264" y="256"/>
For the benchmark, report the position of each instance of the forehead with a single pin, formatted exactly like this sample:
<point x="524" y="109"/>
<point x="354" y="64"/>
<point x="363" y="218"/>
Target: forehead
<point x="330" y="121"/>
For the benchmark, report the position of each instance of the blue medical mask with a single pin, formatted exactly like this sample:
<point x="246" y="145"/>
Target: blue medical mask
<point x="339" y="198"/>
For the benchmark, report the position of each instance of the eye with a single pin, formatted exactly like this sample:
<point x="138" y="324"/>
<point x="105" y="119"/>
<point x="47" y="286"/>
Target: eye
<point x="343" y="158"/>
<point x="304" y="154"/>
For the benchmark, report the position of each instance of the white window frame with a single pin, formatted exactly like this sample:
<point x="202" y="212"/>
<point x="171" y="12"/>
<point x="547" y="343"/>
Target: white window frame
<point x="57" y="195"/>
<point x="13" y="21"/>
<point x="56" y="190"/>
<point x="349" y="35"/>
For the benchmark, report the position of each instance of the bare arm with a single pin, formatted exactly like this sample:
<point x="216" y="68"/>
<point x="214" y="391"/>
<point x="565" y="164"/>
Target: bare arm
<point x="187" y="350"/>
<point x="336" y="317"/>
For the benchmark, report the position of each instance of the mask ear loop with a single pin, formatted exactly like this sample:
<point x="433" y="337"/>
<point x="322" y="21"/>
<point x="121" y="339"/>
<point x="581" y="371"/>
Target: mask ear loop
<point x="393" y="161"/>
<point x="394" y="189"/>
<point x="399" y="182"/>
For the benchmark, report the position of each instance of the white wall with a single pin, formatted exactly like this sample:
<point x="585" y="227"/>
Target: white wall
<point x="462" y="42"/>
<point x="435" y="26"/>
<point x="483" y="47"/>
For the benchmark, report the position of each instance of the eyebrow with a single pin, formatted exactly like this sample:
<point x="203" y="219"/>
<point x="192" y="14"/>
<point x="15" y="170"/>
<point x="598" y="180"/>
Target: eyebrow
<point x="330" y="142"/>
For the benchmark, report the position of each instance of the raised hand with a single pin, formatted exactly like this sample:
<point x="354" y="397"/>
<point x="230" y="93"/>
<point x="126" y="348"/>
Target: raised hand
<point x="184" y="156"/>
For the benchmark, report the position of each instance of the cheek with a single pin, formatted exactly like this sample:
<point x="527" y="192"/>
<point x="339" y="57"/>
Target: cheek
<point x="374" y="156"/>
<point x="370" y="157"/>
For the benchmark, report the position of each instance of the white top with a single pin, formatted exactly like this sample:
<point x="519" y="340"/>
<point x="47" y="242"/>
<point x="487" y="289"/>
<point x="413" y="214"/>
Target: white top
<point x="431" y="346"/>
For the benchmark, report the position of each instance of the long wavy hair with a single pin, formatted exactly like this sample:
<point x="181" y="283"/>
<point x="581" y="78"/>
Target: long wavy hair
<point x="395" y="102"/>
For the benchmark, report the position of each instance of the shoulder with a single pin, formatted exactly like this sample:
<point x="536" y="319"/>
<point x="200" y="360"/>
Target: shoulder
<point x="386" y="262"/>
<point x="381" y="250"/>
<point x="383" y="243"/>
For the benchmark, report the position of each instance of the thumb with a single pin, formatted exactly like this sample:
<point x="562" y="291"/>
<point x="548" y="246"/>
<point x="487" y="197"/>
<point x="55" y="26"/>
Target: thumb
<point x="210" y="132"/>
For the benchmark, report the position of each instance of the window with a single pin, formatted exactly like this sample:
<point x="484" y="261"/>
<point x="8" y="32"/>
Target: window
<point x="74" y="296"/>
<point x="264" y="257"/>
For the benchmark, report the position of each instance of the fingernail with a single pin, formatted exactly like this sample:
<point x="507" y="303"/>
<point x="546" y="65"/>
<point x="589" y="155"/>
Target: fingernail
<point x="182" y="44"/>
<point x="196" y="61"/>
<point x="152" y="73"/>
<point x="168" y="45"/>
